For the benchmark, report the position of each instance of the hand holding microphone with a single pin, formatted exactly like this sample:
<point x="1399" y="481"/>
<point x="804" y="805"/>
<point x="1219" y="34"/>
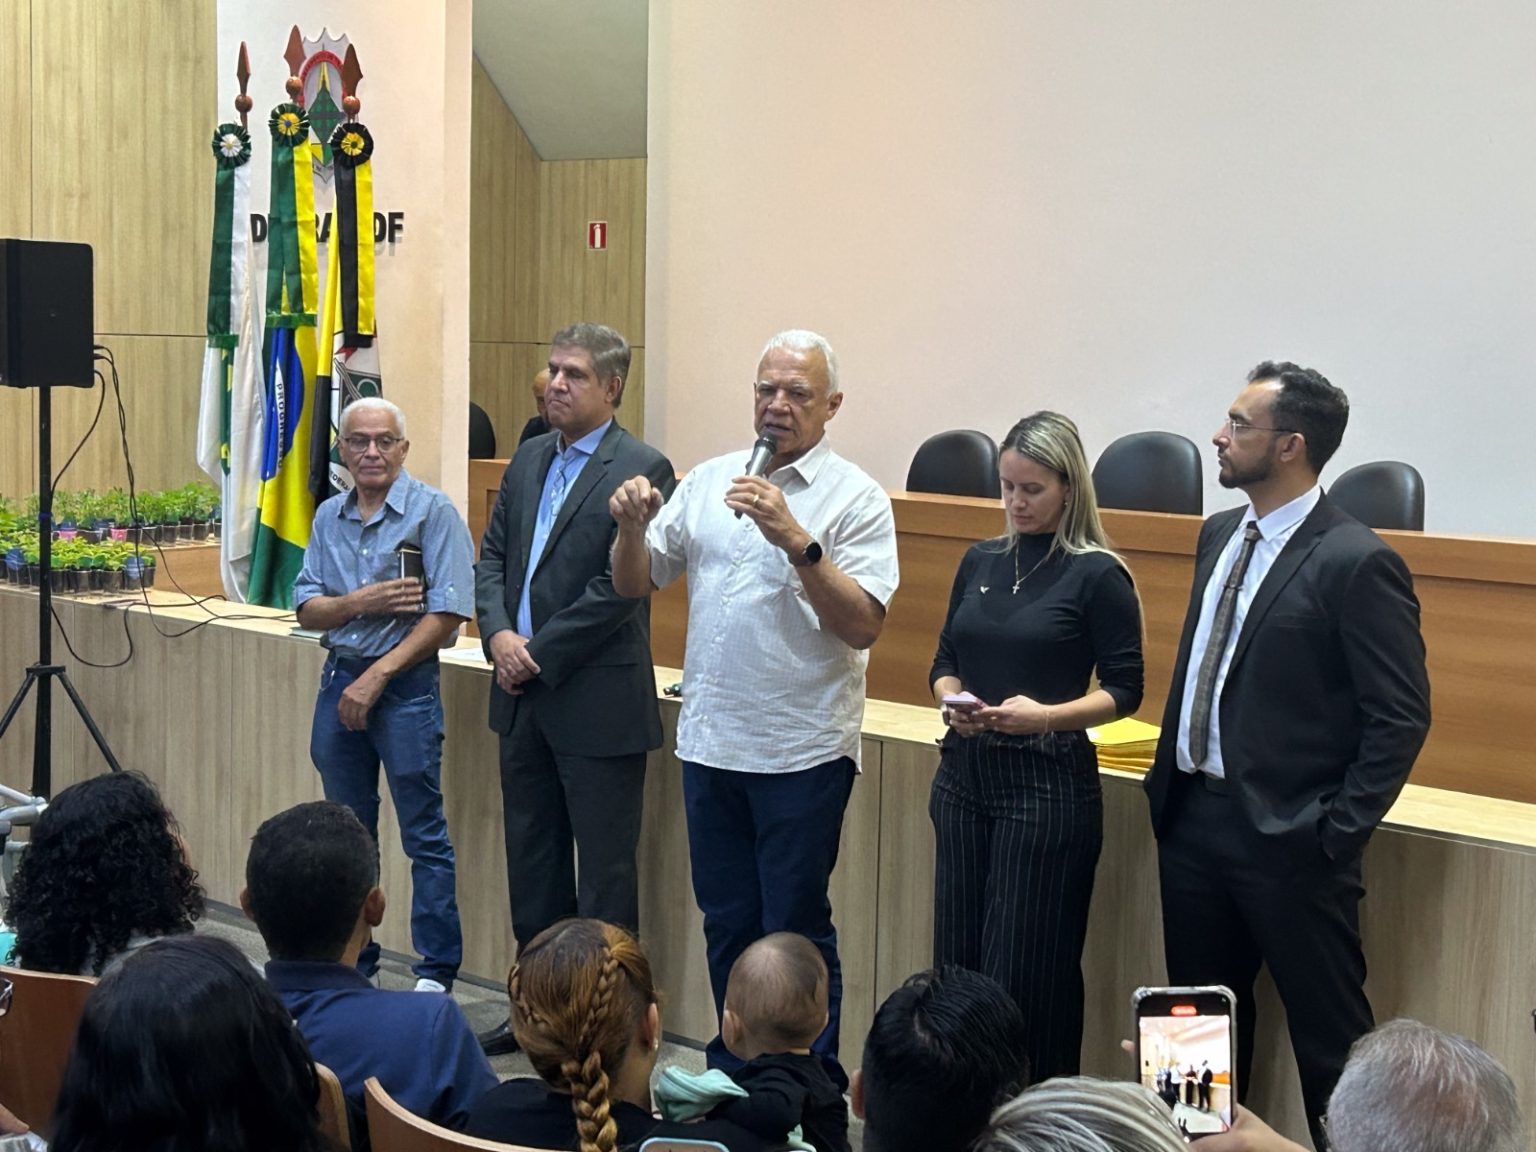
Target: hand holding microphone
<point x="757" y="464"/>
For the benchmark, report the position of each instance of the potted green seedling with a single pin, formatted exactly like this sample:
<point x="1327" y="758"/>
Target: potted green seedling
<point x="112" y="561"/>
<point x="139" y="571"/>
<point x="32" y="559"/>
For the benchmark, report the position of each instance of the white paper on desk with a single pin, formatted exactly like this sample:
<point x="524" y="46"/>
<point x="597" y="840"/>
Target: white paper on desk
<point x="471" y="656"/>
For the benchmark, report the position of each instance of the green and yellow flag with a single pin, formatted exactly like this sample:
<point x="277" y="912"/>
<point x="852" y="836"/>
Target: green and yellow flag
<point x="289" y="359"/>
<point x="230" y="423"/>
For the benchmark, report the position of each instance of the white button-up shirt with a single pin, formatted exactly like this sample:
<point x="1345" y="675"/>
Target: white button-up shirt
<point x="1275" y="530"/>
<point x="765" y="688"/>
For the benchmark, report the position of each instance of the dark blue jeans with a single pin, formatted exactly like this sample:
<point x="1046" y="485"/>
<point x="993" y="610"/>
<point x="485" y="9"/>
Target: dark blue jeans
<point x="405" y="733"/>
<point x="762" y="846"/>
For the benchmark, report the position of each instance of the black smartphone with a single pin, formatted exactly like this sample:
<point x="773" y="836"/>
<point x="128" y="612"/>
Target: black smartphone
<point x="1186" y="1053"/>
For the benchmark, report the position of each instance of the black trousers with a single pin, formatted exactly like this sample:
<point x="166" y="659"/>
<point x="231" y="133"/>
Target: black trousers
<point x="1233" y="900"/>
<point x="572" y="828"/>
<point x="1019" y="821"/>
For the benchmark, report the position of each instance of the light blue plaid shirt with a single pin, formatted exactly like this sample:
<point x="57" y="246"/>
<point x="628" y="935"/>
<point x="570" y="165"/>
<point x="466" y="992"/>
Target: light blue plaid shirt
<point x="345" y="554"/>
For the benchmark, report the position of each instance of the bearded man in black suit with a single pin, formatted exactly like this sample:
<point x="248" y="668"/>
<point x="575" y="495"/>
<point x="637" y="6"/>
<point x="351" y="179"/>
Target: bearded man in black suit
<point x="1298" y="705"/>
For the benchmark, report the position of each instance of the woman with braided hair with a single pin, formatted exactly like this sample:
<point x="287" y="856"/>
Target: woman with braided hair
<point x="585" y="1011"/>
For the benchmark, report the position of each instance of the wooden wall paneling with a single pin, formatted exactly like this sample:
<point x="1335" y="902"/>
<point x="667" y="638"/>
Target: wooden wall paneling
<point x="631" y="413"/>
<point x="161" y="381"/>
<point x="527" y="226"/>
<point x="18" y="440"/>
<point x="472" y="794"/>
<point x="504" y="219"/>
<point x="18" y="470"/>
<point x="855" y="904"/>
<point x="274" y="679"/>
<point x="18" y="649"/>
<point x="16" y="117"/>
<point x="670" y="921"/>
<point x="493" y="173"/>
<point x="127" y="96"/>
<point x="1472" y="970"/>
<point x="184" y="751"/>
<point x="905" y="897"/>
<point x="576" y="283"/>
<point x="501" y="381"/>
<point x="1481" y="643"/>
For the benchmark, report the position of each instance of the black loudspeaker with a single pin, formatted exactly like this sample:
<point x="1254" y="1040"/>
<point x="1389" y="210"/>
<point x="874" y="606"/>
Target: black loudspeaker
<point x="47" y="319"/>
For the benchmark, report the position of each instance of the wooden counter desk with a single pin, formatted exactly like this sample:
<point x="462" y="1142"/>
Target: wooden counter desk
<point x="1479" y="620"/>
<point x="219" y="718"/>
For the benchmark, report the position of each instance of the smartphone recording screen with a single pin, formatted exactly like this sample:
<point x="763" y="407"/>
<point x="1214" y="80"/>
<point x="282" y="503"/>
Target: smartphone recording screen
<point x="1184" y="1049"/>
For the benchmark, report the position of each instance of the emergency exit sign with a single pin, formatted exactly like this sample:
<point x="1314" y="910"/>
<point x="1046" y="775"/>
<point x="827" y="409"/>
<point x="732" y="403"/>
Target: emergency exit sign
<point x="597" y="235"/>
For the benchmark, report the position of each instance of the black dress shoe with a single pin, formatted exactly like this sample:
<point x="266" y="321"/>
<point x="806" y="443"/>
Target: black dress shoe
<point x="499" y="1041"/>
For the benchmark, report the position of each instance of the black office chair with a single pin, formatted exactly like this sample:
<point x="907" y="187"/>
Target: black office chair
<point x="482" y="437"/>
<point x="958" y="463"/>
<point x="1150" y="472"/>
<point x="1383" y="494"/>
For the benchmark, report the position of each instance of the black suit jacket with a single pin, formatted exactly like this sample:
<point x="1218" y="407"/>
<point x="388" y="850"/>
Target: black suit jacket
<point x="1326" y="703"/>
<point x="596" y="689"/>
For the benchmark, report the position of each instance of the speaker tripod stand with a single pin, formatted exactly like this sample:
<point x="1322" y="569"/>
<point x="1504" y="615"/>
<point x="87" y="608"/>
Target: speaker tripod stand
<point x="42" y="674"/>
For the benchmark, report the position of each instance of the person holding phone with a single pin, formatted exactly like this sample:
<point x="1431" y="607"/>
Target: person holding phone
<point x="1016" y="806"/>
<point x="379" y="703"/>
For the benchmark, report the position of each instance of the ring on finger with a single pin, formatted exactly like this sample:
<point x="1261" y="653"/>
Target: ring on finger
<point x="755" y="499"/>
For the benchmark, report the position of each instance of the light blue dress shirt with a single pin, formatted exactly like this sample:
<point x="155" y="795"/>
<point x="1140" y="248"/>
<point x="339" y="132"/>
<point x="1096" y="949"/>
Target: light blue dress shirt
<point x="563" y="470"/>
<point x="1276" y="531"/>
<point x="345" y="554"/>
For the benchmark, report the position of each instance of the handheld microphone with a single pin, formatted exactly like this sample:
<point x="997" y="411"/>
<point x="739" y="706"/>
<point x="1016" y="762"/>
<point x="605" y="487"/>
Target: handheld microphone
<point x="762" y="452"/>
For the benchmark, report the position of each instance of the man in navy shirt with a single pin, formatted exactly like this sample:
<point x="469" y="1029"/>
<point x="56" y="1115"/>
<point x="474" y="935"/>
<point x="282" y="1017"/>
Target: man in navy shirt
<point x="311" y="886"/>
<point x="379" y="699"/>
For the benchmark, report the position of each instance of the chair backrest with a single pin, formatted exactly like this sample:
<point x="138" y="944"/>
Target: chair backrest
<point x="333" y="1110"/>
<point x="36" y="1037"/>
<point x="958" y="463"/>
<point x="393" y="1129"/>
<point x="1150" y="472"/>
<point x="1384" y="494"/>
<point x="482" y="436"/>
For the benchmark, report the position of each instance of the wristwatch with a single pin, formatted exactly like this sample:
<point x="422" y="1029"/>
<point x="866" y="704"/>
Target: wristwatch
<point x="809" y="557"/>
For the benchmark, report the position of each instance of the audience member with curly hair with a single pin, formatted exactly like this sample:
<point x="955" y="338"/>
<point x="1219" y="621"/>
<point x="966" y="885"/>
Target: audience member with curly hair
<point x="184" y="1046"/>
<point x="105" y="873"/>
<point x="584" y="1009"/>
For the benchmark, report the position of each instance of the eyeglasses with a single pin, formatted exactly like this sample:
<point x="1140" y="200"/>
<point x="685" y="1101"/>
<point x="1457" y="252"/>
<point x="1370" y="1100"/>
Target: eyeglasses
<point x="1232" y="427"/>
<point x="798" y="395"/>
<point x="358" y="443"/>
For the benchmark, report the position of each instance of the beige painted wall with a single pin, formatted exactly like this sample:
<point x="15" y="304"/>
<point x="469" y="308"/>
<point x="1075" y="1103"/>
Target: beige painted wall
<point x="416" y="101"/>
<point x="105" y="110"/>
<point x="531" y="272"/>
<point x="1110" y="209"/>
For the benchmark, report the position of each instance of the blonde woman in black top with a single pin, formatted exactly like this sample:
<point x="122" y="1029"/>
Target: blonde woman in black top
<point x="1016" y="806"/>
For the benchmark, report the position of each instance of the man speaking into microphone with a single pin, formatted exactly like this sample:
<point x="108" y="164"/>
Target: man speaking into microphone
<point x="789" y="575"/>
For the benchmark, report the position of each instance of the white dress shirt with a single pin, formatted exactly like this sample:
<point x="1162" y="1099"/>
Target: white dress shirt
<point x="1275" y="531"/>
<point x="765" y="688"/>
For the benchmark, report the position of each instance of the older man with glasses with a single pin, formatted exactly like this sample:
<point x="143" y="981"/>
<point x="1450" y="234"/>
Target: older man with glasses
<point x="388" y="578"/>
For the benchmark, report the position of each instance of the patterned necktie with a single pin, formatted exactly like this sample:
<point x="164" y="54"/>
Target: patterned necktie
<point x="557" y="489"/>
<point x="1210" y="660"/>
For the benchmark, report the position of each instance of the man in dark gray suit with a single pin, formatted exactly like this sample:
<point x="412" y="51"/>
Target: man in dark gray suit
<point x="1299" y="703"/>
<point x="574" y="695"/>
